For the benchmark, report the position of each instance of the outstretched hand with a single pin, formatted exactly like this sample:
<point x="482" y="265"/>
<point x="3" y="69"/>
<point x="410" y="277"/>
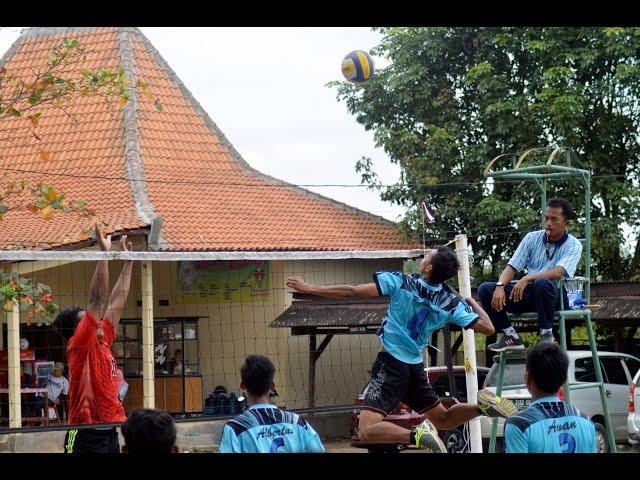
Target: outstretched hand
<point x="296" y="283"/>
<point x="124" y="244"/>
<point x="105" y="242"/>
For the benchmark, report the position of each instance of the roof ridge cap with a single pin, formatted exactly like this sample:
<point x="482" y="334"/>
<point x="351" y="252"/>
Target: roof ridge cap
<point x="43" y="31"/>
<point x="235" y="155"/>
<point x="132" y="161"/>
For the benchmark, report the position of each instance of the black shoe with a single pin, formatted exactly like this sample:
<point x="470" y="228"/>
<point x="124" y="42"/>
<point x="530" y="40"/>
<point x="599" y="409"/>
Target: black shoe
<point x="507" y="342"/>
<point x="547" y="338"/>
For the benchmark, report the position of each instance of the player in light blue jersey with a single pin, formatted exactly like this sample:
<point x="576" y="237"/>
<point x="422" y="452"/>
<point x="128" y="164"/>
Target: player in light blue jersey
<point x="418" y="306"/>
<point x="264" y="428"/>
<point x="548" y="425"/>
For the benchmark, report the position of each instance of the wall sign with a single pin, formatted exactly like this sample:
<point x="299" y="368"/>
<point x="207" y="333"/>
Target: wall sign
<point x="222" y="281"/>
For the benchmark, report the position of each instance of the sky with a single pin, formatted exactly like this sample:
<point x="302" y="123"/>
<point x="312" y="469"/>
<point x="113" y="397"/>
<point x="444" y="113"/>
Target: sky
<point x="265" y="89"/>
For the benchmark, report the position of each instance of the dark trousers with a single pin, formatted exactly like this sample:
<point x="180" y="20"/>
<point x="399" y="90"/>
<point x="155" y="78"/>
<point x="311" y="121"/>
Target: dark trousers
<point x="540" y="296"/>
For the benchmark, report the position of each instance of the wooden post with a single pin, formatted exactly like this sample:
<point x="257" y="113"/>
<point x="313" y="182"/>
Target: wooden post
<point x="448" y="358"/>
<point x="314" y="355"/>
<point x="148" y="385"/>
<point x="13" y="363"/>
<point x="618" y="339"/>
<point x="312" y="370"/>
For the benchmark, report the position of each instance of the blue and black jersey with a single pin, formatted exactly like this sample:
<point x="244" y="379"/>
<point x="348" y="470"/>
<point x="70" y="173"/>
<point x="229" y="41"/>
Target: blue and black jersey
<point x="416" y="310"/>
<point x="264" y="428"/>
<point x="549" y="426"/>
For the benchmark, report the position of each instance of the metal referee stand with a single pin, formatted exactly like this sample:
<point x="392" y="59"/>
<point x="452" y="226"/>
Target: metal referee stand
<point x="541" y="174"/>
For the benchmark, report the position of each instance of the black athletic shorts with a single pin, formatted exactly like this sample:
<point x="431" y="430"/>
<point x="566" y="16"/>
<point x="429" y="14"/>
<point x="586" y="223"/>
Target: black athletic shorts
<point x="90" y="440"/>
<point x="393" y="381"/>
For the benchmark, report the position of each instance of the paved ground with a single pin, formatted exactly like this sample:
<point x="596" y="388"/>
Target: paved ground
<point x="341" y="446"/>
<point x="344" y="446"/>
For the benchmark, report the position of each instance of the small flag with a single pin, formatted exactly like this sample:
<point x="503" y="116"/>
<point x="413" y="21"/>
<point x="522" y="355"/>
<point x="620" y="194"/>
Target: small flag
<point x="427" y="214"/>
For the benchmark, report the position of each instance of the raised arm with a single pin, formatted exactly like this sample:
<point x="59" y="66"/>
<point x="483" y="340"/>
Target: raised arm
<point x="100" y="283"/>
<point x="121" y="288"/>
<point x="333" y="291"/>
<point x="483" y="325"/>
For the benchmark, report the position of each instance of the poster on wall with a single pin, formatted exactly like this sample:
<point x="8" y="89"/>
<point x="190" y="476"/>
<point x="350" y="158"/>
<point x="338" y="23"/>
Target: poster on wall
<point x="222" y="281"/>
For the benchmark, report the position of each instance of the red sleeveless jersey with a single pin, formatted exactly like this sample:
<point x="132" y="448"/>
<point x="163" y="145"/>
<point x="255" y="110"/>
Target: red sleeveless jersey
<point x="93" y="382"/>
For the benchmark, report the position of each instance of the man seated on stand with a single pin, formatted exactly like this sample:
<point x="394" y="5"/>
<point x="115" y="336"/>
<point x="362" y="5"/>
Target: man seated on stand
<point x="547" y="255"/>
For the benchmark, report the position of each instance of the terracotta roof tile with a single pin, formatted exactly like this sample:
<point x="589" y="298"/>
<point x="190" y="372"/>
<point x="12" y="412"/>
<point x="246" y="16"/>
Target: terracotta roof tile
<point x="86" y="145"/>
<point x="209" y="199"/>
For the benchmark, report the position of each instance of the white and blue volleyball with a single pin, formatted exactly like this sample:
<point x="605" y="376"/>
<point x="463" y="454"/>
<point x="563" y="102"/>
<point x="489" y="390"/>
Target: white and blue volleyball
<point x="357" y="66"/>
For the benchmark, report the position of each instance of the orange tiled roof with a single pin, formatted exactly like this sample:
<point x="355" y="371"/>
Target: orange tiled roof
<point x="137" y="163"/>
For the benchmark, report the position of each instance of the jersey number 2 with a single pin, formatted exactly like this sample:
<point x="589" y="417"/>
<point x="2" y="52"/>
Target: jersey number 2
<point x="569" y="441"/>
<point x="276" y="444"/>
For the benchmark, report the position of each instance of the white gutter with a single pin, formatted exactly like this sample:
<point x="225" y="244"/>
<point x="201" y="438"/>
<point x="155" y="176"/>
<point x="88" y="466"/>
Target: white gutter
<point x="89" y="255"/>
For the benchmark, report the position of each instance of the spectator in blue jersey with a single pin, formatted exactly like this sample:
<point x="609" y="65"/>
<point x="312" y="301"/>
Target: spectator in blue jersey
<point x="419" y="305"/>
<point x="548" y="425"/>
<point x="547" y="255"/>
<point x="264" y="428"/>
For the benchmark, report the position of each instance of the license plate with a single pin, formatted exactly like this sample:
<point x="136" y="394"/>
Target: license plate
<point x="521" y="403"/>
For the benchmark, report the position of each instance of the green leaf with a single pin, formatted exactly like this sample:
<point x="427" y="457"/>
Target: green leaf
<point x="41" y="203"/>
<point x="35" y="97"/>
<point x="158" y="105"/>
<point x="3" y="208"/>
<point x="7" y="291"/>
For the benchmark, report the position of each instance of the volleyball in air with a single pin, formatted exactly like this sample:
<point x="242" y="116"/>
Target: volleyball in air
<point x="357" y="66"/>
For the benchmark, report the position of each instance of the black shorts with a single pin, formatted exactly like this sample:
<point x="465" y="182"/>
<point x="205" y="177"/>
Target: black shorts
<point x="89" y="440"/>
<point x="393" y="381"/>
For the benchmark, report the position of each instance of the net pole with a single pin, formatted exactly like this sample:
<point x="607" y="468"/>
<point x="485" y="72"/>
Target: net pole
<point x="464" y="284"/>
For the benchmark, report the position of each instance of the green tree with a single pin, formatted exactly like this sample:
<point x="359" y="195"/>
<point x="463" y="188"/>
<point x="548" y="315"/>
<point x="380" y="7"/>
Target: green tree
<point x="451" y="99"/>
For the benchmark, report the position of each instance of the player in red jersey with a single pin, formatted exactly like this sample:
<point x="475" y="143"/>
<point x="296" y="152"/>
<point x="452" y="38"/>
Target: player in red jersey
<point x="93" y="390"/>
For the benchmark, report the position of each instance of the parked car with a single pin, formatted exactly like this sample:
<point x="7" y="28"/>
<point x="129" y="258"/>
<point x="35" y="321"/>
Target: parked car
<point x="618" y="370"/>
<point x="633" y="420"/>
<point x="405" y="417"/>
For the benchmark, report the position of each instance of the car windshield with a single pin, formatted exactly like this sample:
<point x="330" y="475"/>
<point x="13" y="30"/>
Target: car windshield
<point x="513" y="374"/>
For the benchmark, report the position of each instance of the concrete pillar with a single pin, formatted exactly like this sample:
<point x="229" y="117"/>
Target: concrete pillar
<point x="148" y="382"/>
<point x="13" y="344"/>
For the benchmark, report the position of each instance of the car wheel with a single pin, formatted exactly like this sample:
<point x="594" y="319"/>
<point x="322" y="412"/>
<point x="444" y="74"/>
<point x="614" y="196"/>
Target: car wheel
<point x="454" y="441"/>
<point x="602" y="440"/>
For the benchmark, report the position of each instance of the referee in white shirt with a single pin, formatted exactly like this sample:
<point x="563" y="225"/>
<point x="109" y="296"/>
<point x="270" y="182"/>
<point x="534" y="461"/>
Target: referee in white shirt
<point x="547" y="255"/>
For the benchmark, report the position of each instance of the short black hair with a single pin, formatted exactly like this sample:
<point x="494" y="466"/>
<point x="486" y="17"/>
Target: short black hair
<point x="563" y="203"/>
<point x="547" y="365"/>
<point x="149" y="431"/>
<point x="66" y="321"/>
<point x="445" y="264"/>
<point x="257" y="373"/>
